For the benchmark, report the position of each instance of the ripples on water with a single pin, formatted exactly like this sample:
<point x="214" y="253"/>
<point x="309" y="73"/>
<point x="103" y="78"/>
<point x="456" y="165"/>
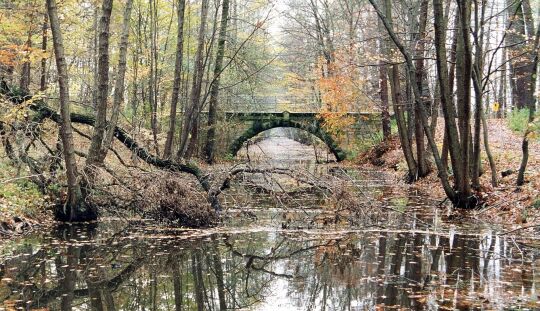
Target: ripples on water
<point x="256" y="265"/>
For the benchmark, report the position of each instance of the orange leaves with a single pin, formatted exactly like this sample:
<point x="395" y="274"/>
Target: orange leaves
<point x="20" y="25"/>
<point x="7" y="57"/>
<point x="341" y="93"/>
<point x="12" y="55"/>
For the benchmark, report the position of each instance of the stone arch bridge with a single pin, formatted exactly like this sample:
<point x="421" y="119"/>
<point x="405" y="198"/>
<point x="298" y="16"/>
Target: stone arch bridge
<point x="239" y="127"/>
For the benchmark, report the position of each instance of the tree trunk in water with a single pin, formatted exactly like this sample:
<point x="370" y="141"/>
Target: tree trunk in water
<point x="102" y="84"/>
<point x="177" y="79"/>
<point x="214" y="88"/>
<point x="423" y="169"/>
<point x="191" y="117"/>
<point x="464" y="75"/>
<point x="75" y="208"/>
<point x="119" y="86"/>
<point x="69" y="280"/>
<point x="443" y="80"/>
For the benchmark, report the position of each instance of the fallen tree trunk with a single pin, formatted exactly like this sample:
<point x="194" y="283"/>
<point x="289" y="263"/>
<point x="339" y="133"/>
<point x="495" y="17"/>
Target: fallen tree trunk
<point x="44" y="112"/>
<point x="212" y="186"/>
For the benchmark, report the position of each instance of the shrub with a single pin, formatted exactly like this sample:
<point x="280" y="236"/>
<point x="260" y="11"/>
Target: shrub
<point x="18" y="197"/>
<point x="518" y="120"/>
<point x="171" y="198"/>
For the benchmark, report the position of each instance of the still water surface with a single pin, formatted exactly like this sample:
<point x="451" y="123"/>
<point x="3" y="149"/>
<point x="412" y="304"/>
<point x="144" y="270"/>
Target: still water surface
<point x="267" y="257"/>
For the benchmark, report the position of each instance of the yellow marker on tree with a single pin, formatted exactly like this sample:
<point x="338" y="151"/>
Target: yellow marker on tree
<point x="496" y="106"/>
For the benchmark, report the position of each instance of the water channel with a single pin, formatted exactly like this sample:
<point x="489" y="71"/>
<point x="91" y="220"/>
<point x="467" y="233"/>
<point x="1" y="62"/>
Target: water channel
<point x="268" y="256"/>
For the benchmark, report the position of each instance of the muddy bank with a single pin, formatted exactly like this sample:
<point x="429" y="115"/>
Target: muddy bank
<point x="506" y="204"/>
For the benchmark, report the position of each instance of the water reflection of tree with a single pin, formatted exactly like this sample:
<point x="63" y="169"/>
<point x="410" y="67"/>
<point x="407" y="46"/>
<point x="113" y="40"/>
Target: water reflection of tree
<point x="139" y="274"/>
<point x="160" y="271"/>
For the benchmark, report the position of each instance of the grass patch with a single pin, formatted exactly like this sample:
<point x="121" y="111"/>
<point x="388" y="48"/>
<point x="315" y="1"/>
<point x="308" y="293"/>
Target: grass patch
<point x="18" y="197"/>
<point x="363" y="144"/>
<point x="518" y="120"/>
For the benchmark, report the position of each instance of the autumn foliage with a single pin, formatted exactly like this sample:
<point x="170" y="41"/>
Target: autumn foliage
<point x="341" y="93"/>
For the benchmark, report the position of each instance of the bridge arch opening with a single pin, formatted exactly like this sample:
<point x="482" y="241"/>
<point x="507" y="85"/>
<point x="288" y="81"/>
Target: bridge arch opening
<point x="314" y="129"/>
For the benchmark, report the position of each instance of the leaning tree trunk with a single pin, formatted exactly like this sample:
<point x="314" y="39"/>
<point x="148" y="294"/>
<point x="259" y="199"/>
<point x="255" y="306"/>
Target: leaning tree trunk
<point x="124" y="138"/>
<point x="398" y="106"/>
<point x="492" y="164"/>
<point x="214" y="89"/>
<point x="75" y="208"/>
<point x="443" y="174"/>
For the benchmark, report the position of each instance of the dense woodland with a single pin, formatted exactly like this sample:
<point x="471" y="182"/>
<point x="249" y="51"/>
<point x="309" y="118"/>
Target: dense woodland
<point x="92" y="86"/>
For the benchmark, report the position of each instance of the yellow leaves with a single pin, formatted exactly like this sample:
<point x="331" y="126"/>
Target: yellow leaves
<point x="36" y="55"/>
<point x="533" y="129"/>
<point x="16" y="27"/>
<point x="18" y="112"/>
<point x="15" y="54"/>
<point x="341" y="93"/>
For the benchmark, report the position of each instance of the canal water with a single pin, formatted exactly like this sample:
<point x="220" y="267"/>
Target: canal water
<point x="273" y="253"/>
